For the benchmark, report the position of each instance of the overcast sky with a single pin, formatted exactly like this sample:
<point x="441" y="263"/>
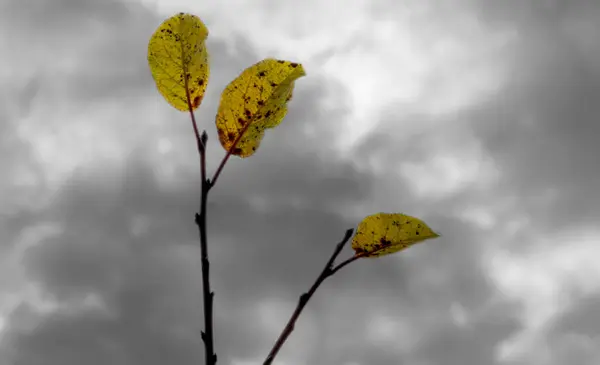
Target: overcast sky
<point x="479" y="116"/>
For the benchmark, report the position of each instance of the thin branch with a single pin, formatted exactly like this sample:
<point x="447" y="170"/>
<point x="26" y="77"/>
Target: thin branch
<point x="354" y="258"/>
<point x="228" y="154"/>
<point x="344" y="263"/>
<point x="208" y="295"/>
<point x="304" y="298"/>
<point x="200" y="219"/>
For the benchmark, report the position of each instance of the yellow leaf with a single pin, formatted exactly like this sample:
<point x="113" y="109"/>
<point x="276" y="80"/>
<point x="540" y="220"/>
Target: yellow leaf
<point x="254" y="101"/>
<point x="385" y="233"/>
<point x="177" y="49"/>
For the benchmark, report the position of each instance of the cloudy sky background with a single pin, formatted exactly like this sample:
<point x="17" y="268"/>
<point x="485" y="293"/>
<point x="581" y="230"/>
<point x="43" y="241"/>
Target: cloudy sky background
<point x="481" y="117"/>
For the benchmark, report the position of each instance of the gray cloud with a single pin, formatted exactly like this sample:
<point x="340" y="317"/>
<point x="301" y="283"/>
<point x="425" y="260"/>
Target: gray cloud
<point x="541" y="131"/>
<point x="575" y="334"/>
<point x="149" y="282"/>
<point x="274" y="218"/>
<point x="544" y="131"/>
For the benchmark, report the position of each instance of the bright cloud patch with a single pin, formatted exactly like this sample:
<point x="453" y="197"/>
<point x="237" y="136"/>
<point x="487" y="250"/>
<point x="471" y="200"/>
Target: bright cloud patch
<point x="547" y="279"/>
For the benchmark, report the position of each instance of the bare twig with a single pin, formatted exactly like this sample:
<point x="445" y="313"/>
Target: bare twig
<point x="200" y="219"/>
<point x="208" y="295"/>
<point x="304" y="298"/>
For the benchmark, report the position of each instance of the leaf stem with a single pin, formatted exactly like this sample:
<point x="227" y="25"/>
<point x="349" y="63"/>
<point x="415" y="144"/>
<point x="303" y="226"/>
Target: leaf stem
<point x="228" y="154"/>
<point x="304" y="298"/>
<point x="354" y="258"/>
<point x="346" y="262"/>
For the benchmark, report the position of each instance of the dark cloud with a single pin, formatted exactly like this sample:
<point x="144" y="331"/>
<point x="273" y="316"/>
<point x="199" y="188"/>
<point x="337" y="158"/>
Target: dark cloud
<point x="155" y="276"/>
<point x="17" y="162"/>
<point x="275" y="218"/>
<point x="575" y="334"/>
<point x="582" y="318"/>
<point x="148" y="278"/>
<point x="475" y="344"/>
<point x="540" y="130"/>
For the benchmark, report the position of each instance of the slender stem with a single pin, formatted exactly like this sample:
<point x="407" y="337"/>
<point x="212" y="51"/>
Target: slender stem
<point x="208" y="295"/>
<point x="200" y="219"/>
<point x="228" y="154"/>
<point x="344" y="263"/>
<point x="304" y="298"/>
<point x="354" y="258"/>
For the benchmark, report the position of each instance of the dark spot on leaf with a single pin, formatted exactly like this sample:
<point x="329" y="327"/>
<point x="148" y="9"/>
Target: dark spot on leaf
<point x="253" y="148"/>
<point x="248" y="113"/>
<point x="262" y="74"/>
<point x="268" y="114"/>
<point x="231" y="136"/>
<point x="237" y="151"/>
<point x="200" y="82"/>
<point x="273" y="84"/>
<point x="241" y="122"/>
<point x="261" y="103"/>
<point x="197" y="101"/>
<point x="385" y="242"/>
<point x="294" y="64"/>
<point x="280" y="61"/>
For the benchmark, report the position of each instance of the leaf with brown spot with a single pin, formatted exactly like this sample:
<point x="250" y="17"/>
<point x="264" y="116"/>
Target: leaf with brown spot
<point x="258" y="96"/>
<point x="176" y="50"/>
<point x="385" y="233"/>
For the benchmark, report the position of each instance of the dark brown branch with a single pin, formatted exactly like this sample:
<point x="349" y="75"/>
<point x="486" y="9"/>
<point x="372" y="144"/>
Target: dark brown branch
<point x="200" y="219"/>
<point x="208" y="295"/>
<point x="304" y="298"/>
